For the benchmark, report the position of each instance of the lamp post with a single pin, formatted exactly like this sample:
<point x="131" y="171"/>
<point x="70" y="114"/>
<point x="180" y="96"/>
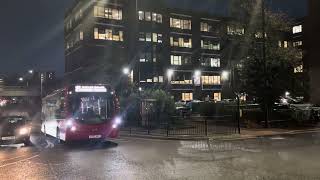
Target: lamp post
<point x="266" y="106"/>
<point x="197" y="73"/>
<point x="170" y="73"/>
<point x="227" y="75"/>
<point x="126" y="71"/>
<point x="125" y="81"/>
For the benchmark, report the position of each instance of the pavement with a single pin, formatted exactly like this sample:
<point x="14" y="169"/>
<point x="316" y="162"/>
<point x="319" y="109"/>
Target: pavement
<point x="246" y="133"/>
<point x="289" y="156"/>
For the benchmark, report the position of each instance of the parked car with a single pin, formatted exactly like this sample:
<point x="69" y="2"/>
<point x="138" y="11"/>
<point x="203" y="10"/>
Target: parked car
<point x="15" y="129"/>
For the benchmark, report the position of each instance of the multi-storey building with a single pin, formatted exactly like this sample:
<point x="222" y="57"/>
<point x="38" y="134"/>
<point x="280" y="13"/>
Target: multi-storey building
<point x="180" y="51"/>
<point x="313" y="48"/>
<point x="298" y="39"/>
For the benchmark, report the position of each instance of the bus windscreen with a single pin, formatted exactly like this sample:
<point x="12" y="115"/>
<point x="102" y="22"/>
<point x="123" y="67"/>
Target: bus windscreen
<point x="91" y="109"/>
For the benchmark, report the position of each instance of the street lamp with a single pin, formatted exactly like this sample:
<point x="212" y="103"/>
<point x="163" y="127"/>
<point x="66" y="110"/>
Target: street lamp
<point x="225" y="75"/>
<point x="170" y="73"/>
<point x="20" y="79"/>
<point x="126" y="71"/>
<point x="30" y="71"/>
<point x="140" y="89"/>
<point x="287" y="94"/>
<point x="197" y="73"/>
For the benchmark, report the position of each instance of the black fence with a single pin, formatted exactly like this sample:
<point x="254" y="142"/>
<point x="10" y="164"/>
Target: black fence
<point x="184" y="126"/>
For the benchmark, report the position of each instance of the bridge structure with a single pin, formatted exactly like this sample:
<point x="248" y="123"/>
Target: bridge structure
<point x="18" y="91"/>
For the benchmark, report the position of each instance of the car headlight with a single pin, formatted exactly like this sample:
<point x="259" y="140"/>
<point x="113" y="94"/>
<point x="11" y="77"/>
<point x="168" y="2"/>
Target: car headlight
<point x="24" y="131"/>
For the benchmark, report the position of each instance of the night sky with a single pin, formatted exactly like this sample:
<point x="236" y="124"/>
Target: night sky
<point x="31" y="33"/>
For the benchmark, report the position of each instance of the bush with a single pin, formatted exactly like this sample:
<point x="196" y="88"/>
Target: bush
<point x="163" y="107"/>
<point x="212" y="109"/>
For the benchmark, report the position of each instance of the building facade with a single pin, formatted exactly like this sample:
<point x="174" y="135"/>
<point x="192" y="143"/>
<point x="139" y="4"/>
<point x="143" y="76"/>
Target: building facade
<point x="313" y="48"/>
<point x="183" y="52"/>
<point x="297" y="39"/>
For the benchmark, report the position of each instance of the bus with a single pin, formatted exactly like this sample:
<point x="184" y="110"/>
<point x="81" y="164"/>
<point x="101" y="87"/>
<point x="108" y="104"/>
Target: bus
<point x="81" y="113"/>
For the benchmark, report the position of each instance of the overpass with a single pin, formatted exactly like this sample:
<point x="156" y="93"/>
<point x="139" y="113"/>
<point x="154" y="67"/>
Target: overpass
<point x="18" y="91"/>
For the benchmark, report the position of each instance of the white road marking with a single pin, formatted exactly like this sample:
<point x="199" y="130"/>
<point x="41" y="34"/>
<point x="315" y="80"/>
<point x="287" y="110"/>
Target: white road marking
<point x="12" y="158"/>
<point x="277" y="138"/>
<point x="16" y="162"/>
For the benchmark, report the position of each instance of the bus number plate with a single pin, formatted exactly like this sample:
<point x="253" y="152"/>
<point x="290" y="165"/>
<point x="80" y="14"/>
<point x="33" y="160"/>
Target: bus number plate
<point x="95" y="136"/>
<point x="8" y="138"/>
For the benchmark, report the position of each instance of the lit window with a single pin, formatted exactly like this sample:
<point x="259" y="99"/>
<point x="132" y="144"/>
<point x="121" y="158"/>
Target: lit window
<point x="233" y="30"/>
<point x="211" y="80"/>
<point x="210" y="62"/>
<point x="297" y="29"/>
<point x="181" y="42"/>
<point x="141" y="15"/>
<point x="142" y="36"/>
<point x="159" y="38"/>
<point x="108" y="34"/>
<point x="175" y="60"/>
<point x="180" y="23"/>
<point x="145" y="57"/>
<point x="206" y="27"/>
<point x="108" y="13"/>
<point x="78" y="15"/>
<point x="148" y="16"/>
<point x="81" y="35"/>
<point x="300" y="55"/>
<point x="161" y="79"/>
<point x="217" y="96"/>
<point x="297" y="43"/>
<point x="179" y="60"/>
<point x="148" y="37"/>
<point x="156" y="17"/>
<point x="285" y="44"/>
<point x="159" y="18"/>
<point x="298" y="69"/>
<point x="96" y="33"/>
<point x="182" y="79"/>
<point x="259" y="35"/>
<point x="187" y="96"/>
<point x="155" y="37"/>
<point x="210" y="44"/>
<point x="280" y="43"/>
<point x="155" y="79"/>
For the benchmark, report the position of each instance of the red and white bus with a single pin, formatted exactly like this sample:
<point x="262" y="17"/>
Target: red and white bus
<point x="81" y="112"/>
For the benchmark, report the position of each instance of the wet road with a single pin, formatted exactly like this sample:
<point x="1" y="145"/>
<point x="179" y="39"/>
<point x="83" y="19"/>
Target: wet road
<point x="285" y="157"/>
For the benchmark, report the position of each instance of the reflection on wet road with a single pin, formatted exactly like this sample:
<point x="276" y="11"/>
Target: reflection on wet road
<point x="285" y="157"/>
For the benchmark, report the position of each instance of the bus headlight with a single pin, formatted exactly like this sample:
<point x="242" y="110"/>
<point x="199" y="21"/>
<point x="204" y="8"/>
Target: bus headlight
<point x="73" y="128"/>
<point x="118" y="120"/>
<point x="69" y="123"/>
<point x="24" y="131"/>
<point x="114" y="126"/>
